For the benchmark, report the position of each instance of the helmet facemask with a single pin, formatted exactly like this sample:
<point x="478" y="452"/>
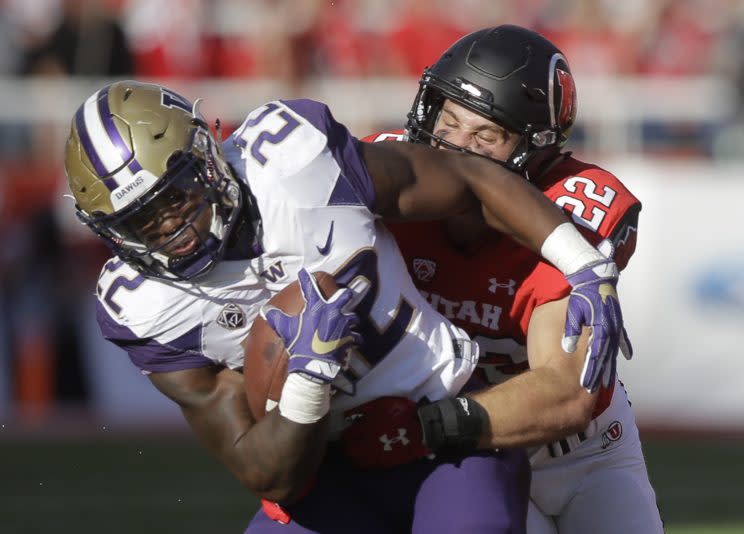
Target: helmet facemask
<point x="198" y="190"/>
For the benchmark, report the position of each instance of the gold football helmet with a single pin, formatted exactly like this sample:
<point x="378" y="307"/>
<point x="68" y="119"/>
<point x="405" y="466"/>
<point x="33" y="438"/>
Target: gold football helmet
<point x="138" y="152"/>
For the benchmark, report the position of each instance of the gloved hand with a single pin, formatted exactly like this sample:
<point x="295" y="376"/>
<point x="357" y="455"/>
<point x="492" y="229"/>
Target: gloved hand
<point x="593" y="302"/>
<point x="383" y="433"/>
<point x="318" y="339"/>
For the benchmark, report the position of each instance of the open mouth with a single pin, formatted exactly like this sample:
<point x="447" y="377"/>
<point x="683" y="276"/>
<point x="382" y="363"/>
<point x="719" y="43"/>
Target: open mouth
<point x="186" y="247"/>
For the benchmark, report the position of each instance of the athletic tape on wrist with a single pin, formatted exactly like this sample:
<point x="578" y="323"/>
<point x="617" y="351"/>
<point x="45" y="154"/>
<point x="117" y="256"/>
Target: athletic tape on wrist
<point x="304" y="401"/>
<point x="568" y="250"/>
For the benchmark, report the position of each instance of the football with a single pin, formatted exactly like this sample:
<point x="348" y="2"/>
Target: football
<point x="264" y="356"/>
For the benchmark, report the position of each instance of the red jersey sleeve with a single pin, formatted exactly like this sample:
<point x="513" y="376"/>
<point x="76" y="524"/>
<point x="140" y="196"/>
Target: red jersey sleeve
<point x="599" y="204"/>
<point x="544" y="284"/>
<point x="601" y="207"/>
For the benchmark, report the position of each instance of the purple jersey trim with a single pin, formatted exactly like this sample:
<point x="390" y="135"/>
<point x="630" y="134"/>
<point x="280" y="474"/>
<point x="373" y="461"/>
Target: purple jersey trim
<point x="345" y="194"/>
<point x="150" y="355"/>
<point x="355" y="184"/>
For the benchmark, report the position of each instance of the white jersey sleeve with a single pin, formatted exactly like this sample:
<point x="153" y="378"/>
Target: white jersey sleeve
<point x="298" y="146"/>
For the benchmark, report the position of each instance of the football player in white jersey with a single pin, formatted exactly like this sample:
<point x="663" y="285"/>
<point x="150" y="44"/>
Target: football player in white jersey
<point x="488" y="94"/>
<point x="205" y="233"/>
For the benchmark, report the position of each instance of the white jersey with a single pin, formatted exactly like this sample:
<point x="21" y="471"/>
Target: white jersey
<point x="315" y="196"/>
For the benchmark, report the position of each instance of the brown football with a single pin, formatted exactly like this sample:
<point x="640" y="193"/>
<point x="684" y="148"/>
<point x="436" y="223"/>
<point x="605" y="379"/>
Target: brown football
<point x="264" y="356"/>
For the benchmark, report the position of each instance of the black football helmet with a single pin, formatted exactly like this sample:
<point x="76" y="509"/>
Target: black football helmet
<point x="509" y="74"/>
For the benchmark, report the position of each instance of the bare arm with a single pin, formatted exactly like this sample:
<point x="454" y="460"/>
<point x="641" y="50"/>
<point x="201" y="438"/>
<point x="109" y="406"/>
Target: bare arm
<point x="274" y="458"/>
<point x="547" y="402"/>
<point x="419" y="182"/>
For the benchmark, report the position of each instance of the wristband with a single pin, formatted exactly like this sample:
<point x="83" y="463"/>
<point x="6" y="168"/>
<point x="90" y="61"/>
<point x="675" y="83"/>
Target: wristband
<point x="304" y="401"/>
<point x="568" y="250"/>
<point x="454" y="425"/>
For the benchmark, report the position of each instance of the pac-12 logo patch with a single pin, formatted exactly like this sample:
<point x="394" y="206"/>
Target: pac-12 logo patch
<point x="231" y="317"/>
<point x="423" y="269"/>
<point x="613" y="433"/>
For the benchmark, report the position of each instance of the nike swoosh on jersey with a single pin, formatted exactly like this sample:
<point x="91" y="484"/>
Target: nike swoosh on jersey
<point x="325" y="249"/>
<point x="324" y="347"/>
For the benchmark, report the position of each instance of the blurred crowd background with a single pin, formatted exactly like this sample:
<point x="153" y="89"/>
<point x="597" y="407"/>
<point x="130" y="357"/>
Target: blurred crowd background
<point x="686" y="52"/>
<point x="296" y="40"/>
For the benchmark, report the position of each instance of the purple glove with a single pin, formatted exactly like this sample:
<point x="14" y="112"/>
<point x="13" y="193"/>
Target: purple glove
<point x="593" y="302"/>
<point x="318" y="339"/>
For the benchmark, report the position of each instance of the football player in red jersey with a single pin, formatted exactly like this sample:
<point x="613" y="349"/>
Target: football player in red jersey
<point x="507" y="93"/>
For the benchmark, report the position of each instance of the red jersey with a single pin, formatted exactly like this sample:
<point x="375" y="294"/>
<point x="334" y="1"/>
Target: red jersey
<point x="492" y="289"/>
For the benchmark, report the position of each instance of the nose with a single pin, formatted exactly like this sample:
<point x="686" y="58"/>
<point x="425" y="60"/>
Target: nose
<point x="169" y="225"/>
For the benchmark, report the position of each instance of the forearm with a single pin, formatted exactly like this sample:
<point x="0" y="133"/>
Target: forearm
<point x="512" y="205"/>
<point x="274" y="457"/>
<point x="415" y="182"/>
<point x="533" y="408"/>
<point x="277" y="458"/>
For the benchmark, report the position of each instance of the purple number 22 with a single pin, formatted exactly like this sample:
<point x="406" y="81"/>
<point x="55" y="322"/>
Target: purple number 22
<point x="119" y="282"/>
<point x="266" y="136"/>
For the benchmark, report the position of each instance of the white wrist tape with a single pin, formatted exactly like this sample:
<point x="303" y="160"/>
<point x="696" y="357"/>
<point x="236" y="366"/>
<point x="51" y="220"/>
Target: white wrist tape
<point x="567" y="249"/>
<point x="304" y="401"/>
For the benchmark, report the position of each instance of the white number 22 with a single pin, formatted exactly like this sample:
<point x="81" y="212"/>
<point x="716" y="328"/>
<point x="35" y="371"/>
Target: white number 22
<point x="597" y="214"/>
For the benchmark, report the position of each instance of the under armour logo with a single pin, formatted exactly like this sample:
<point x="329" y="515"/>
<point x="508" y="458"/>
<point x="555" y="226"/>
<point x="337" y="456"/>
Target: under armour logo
<point x="387" y="443"/>
<point x="495" y="285"/>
